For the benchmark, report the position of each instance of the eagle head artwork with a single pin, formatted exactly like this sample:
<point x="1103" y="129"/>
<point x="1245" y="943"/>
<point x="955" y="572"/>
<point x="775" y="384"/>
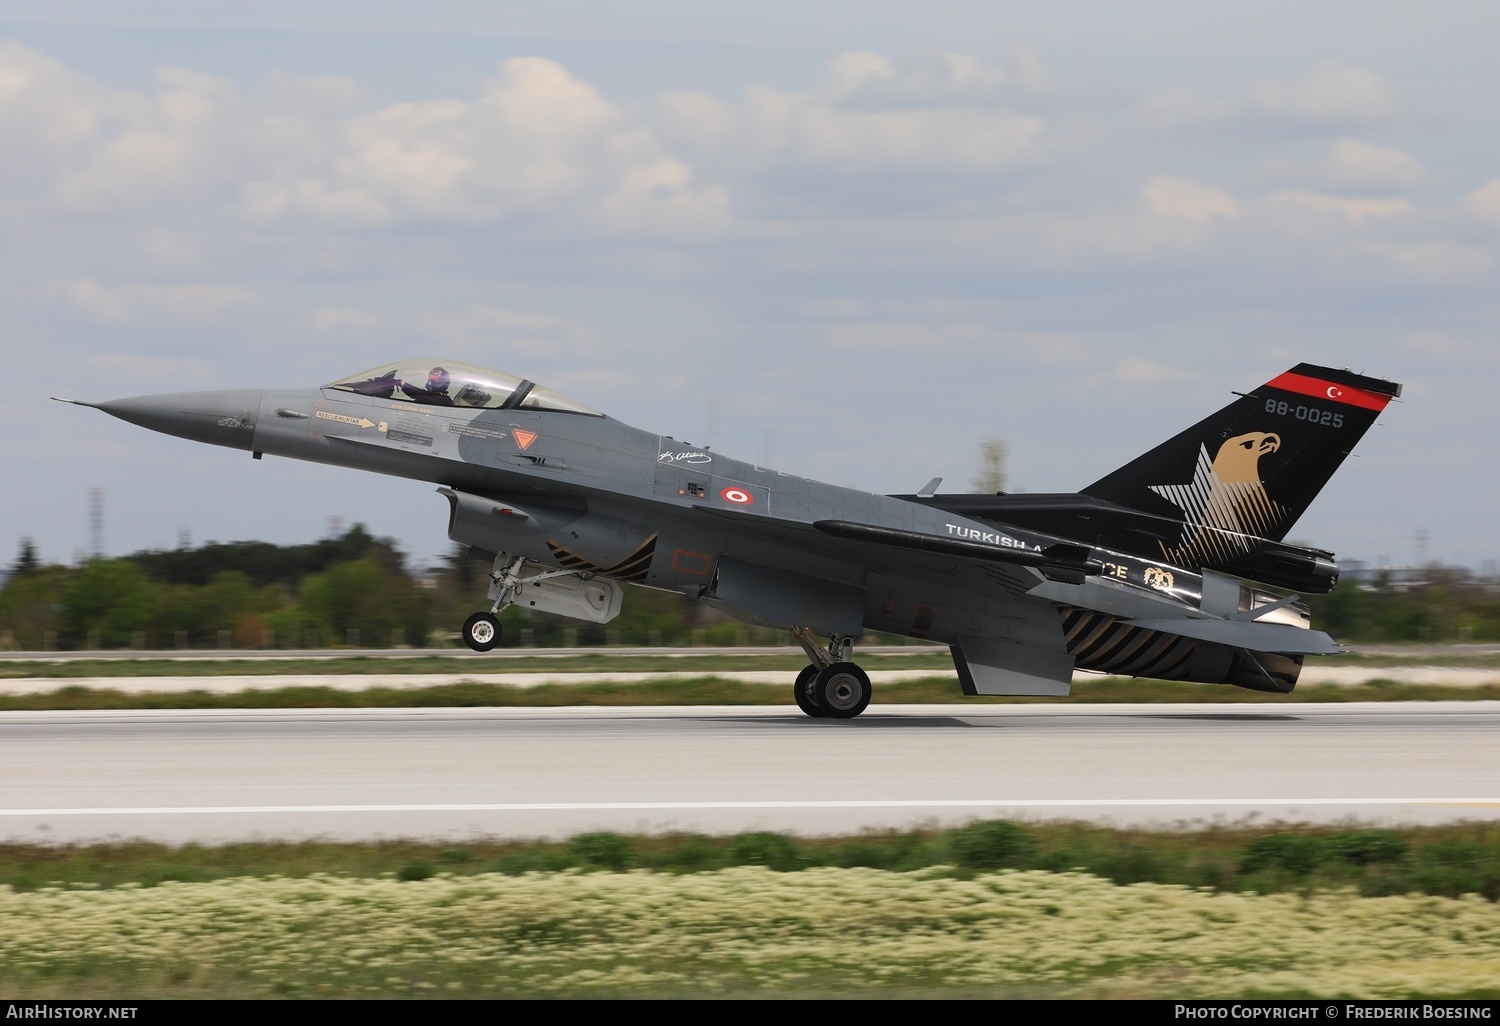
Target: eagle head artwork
<point x="1226" y="506"/>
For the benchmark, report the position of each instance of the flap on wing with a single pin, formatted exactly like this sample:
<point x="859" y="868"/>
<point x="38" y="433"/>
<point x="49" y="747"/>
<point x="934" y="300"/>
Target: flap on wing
<point x="1258" y="637"/>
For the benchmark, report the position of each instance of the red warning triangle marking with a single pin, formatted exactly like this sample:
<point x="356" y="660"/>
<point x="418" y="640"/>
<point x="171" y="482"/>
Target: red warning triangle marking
<point x="523" y="438"/>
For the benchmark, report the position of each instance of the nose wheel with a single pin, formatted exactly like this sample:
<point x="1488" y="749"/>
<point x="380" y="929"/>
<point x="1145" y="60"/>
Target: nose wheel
<point x="482" y="632"/>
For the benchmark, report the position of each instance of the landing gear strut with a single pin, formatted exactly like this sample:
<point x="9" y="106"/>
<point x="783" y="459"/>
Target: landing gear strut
<point x="831" y="686"/>
<point x="482" y="630"/>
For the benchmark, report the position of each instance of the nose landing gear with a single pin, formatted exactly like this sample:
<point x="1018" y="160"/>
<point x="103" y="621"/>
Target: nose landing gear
<point x="482" y="630"/>
<point x="831" y="686"/>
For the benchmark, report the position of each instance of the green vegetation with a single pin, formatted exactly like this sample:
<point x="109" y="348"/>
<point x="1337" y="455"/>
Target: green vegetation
<point x="1447" y="861"/>
<point x="1450" y="606"/>
<point x="993" y="909"/>
<point x="354" y="590"/>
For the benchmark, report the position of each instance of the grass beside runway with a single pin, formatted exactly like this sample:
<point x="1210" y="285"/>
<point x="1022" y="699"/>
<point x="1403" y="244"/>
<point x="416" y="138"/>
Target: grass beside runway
<point x="995" y="909"/>
<point x="710" y="690"/>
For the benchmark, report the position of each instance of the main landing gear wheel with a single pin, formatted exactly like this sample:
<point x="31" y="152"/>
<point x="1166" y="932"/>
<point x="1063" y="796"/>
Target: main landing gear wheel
<point x="803" y="690"/>
<point x="482" y="632"/>
<point x="841" y="691"/>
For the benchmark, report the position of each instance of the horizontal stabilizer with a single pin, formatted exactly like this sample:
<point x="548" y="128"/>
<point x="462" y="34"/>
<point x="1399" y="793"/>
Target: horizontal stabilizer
<point x="1280" y="638"/>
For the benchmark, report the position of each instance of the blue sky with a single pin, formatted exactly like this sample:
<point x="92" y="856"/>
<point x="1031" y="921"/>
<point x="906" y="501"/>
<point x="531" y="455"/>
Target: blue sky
<point x="853" y="238"/>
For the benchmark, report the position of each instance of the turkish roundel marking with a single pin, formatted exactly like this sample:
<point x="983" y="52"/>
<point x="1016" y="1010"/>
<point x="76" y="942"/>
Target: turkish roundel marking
<point x="737" y="495"/>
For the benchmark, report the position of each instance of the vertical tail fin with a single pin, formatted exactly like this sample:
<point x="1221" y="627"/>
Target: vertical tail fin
<point x="1244" y="475"/>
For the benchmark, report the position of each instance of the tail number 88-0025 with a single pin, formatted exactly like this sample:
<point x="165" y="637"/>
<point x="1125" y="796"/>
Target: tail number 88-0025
<point x="1311" y="414"/>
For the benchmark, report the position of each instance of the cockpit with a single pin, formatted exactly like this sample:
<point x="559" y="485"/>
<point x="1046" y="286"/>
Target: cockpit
<point x="460" y="385"/>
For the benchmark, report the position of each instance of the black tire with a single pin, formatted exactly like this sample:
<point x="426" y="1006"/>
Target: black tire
<point x="482" y="632"/>
<point x="841" y="691"/>
<point x="803" y="690"/>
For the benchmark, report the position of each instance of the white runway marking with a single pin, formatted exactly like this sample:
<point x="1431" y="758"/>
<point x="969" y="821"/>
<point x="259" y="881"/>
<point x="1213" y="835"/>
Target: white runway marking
<point x="946" y="803"/>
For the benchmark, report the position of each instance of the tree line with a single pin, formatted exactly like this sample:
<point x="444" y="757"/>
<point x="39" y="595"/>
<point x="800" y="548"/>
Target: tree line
<point x="356" y="590"/>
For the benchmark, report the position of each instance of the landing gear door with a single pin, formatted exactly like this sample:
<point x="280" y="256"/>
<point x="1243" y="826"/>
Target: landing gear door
<point x="598" y="599"/>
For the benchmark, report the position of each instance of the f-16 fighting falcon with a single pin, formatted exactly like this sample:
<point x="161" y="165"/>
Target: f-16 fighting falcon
<point x="1160" y="569"/>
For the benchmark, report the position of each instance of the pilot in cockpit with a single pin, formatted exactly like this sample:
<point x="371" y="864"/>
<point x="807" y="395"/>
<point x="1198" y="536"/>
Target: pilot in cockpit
<point x="434" y="393"/>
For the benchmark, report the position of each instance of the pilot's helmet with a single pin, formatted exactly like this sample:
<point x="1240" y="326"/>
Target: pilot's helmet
<point x="438" y="379"/>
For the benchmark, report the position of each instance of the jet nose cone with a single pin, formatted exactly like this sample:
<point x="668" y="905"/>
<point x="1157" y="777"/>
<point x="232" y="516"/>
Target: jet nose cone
<point x="219" y="418"/>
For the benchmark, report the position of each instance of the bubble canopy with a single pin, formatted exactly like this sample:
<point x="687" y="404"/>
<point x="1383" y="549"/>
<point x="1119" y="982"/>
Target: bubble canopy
<point x="459" y="385"/>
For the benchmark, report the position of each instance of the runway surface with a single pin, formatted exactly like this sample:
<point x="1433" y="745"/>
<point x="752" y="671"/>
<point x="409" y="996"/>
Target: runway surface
<point x="213" y="776"/>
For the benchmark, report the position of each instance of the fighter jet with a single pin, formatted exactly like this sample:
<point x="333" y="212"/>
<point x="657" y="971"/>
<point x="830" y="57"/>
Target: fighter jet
<point x="1164" y="568"/>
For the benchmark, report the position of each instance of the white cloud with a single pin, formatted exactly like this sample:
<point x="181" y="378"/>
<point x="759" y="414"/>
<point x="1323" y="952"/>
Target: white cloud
<point x="142" y="300"/>
<point x="1178" y="197"/>
<point x="1355" y="210"/>
<point x="1332" y="93"/>
<point x="176" y="250"/>
<point x="42" y="101"/>
<point x="1437" y="262"/>
<point x="1351" y="164"/>
<point x="478" y="331"/>
<point x="266" y="201"/>
<point x="1484" y="202"/>
<point x="949" y="139"/>
<point x="664" y="200"/>
<point x="924" y="77"/>
<point x="1138" y="370"/>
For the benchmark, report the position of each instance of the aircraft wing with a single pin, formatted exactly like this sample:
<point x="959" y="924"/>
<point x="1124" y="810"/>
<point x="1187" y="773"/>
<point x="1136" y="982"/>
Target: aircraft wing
<point x="887" y="547"/>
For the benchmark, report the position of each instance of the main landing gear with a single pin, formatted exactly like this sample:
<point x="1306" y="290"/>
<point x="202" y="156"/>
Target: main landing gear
<point x="830" y="686"/>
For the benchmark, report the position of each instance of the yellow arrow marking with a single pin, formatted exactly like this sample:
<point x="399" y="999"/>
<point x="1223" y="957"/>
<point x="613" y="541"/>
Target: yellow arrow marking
<point x="325" y="415"/>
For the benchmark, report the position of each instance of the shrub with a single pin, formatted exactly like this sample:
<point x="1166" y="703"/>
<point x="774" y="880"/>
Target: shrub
<point x="604" y="850"/>
<point x="774" y="851"/>
<point x="992" y="844"/>
<point x="1298" y="854"/>
<point x="414" y="871"/>
<point x="1368" y="847"/>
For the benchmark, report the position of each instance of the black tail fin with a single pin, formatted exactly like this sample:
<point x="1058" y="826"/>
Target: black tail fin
<point x="1245" y="474"/>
